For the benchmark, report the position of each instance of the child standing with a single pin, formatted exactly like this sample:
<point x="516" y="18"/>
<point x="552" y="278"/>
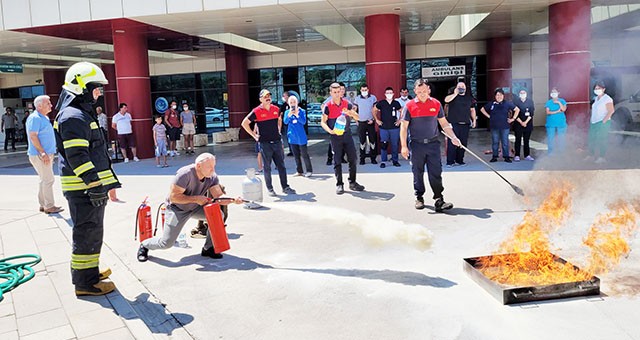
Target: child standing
<point x="160" y="141"/>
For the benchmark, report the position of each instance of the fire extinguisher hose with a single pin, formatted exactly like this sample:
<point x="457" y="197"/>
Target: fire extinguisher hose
<point x="14" y="274"/>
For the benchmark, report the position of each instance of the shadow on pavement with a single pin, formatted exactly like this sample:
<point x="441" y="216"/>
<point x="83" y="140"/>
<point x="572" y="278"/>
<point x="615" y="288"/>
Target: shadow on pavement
<point x="391" y="276"/>
<point x="153" y="314"/>
<point x="228" y="262"/>
<point x="479" y="213"/>
<point x="371" y="195"/>
<point x="307" y="196"/>
<point x="233" y="236"/>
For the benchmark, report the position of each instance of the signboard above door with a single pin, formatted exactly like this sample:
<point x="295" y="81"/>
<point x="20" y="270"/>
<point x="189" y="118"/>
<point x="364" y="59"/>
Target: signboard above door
<point x="443" y="71"/>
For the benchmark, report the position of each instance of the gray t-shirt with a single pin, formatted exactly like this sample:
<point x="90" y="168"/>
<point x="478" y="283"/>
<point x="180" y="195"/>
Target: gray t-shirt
<point x="9" y="121"/>
<point x="187" y="178"/>
<point x="187" y="117"/>
<point x="365" y="107"/>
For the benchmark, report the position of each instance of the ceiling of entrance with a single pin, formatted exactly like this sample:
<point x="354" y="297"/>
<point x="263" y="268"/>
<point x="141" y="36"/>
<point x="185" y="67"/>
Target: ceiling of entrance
<point x="292" y="25"/>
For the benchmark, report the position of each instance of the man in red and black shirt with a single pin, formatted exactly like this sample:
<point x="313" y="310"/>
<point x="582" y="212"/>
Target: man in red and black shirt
<point x="421" y="119"/>
<point x="341" y="144"/>
<point x="267" y="117"/>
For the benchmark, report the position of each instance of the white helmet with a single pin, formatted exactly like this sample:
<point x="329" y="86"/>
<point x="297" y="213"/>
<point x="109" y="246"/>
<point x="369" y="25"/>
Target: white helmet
<point x="80" y="74"/>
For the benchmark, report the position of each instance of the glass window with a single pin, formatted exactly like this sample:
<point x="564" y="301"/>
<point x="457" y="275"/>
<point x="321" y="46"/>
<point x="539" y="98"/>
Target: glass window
<point x="318" y="79"/>
<point x="414" y="70"/>
<point x="269" y="77"/>
<point x="183" y="81"/>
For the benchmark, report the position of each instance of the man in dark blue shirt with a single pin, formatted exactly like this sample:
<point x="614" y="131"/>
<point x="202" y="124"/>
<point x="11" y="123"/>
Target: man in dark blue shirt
<point x="387" y="113"/>
<point x="461" y="113"/>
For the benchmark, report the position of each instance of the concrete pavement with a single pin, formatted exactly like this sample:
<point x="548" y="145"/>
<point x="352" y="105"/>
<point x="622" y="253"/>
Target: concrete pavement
<point x="300" y="269"/>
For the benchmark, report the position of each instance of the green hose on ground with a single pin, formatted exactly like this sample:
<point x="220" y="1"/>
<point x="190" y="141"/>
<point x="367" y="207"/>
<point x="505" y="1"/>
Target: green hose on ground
<point x="14" y="274"/>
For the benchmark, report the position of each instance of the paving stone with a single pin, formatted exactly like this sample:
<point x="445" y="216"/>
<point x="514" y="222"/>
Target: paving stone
<point x="42" y="322"/>
<point x="95" y="322"/>
<point x="6" y="307"/>
<point x="120" y="334"/>
<point x="48" y="236"/>
<point x="35" y="296"/>
<point x="59" y="333"/>
<point x="13" y="335"/>
<point x="8" y="323"/>
<point x="74" y="305"/>
<point x="55" y="253"/>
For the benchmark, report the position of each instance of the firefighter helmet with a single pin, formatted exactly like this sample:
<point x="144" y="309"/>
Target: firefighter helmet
<point x="80" y="74"/>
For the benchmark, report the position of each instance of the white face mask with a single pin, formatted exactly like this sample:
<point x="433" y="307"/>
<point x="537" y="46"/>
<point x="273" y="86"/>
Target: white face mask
<point x="389" y="96"/>
<point x="598" y="92"/>
<point x="174" y="107"/>
<point x="523" y="96"/>
<point x="554" y="95"/>
<point x="185" y="108"/>
<point x="404" y="97"/>
<point x="364" y="93"/>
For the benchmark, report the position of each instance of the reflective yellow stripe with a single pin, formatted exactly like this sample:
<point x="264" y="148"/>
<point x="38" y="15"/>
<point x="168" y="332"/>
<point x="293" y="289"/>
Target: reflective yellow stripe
<point x="55" y="125"/>
<point x="84" y="261"/>
<point x="75" y="183"/>
<point x="84" y="257"/>
<point x="88" y="265"/>
<point x="83" y="168"/>
<point x="93" y="126"/>
<point x="71" y="143"/>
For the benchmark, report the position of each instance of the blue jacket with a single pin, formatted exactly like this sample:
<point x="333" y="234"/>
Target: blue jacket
<point x="295" y="132"/>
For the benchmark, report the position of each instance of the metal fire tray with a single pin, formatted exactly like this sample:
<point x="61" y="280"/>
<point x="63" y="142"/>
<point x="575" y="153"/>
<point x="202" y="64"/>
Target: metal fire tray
<point x="512" y="294"/>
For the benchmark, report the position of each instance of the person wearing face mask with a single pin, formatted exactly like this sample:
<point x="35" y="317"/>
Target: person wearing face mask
<point x="172" y="119"/>
<point x="285" y="127"/>
<point x="523" y="126"/>
<point x="85" y="174"/>
<point x="188" y="122"/>
<point x="404" y="97"/>
<point x="462" y="115"/>
<point x="601" y="111"/>
<point x="499" y="122"/>
<point x="366" y="129"/>
<point x="193" y="187"/>
<point x="387" y="113"/>
<point x="556" y="123"/>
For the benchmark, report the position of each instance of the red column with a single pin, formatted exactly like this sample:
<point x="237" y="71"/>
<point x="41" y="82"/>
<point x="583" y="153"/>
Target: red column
<point x="498" y="65"/>
<point x="403" y="68"/>
<point x="53" y="81"/>
<point x="237" y="85"/>
<point x="110" y="96"/>
<point x="382" y="53"/>
<point x="570" y="57"/>
<point x="132" y="78"/>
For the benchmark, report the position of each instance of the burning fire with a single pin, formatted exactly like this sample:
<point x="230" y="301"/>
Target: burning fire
<point x="526" y="257"/>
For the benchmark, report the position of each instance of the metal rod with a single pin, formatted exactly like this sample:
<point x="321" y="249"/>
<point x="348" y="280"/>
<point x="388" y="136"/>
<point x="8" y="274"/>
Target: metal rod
<point x="514" y="187"/>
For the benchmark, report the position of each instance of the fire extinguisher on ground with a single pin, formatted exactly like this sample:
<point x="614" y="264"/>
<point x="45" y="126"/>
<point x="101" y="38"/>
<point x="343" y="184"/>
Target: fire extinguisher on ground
<point x="143" y="221"/>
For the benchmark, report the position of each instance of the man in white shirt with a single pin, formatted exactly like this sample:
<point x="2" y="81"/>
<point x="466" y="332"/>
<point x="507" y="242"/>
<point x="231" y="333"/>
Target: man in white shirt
<point x="121" y="121"/>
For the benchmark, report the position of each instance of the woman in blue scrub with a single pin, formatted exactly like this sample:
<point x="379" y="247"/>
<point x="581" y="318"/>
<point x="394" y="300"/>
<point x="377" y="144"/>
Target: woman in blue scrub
<point x="556" y="123"/>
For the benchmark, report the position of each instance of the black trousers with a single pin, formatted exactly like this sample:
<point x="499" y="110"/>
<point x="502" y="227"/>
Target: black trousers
<point x="87" y="233"/>
<point x="454" y="153"/>
<point x="9" y="134"/>
<point x="273" y="151"/>
<point x="365" y="129"/>
<point x="429" y="155"/>
<point x="330" y="154"/>
<point x="520" y="134"/>
<point x="344" y="145"/>
<point x="300" y="154"/>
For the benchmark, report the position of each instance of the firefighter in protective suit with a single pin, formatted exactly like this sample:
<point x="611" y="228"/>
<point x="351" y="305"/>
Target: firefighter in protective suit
<point x="85" y="174"/>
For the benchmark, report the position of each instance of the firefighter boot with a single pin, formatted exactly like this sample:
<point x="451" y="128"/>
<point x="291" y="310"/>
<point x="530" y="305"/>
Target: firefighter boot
<point x="104" y="274"/>
<point x="100" y="288"/>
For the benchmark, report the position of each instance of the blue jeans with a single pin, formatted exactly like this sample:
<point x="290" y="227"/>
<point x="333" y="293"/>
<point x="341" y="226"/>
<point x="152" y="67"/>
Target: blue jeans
<point x="556" y="137"/>
<point x="500" y="136"/>
<point x="391" y="136"/>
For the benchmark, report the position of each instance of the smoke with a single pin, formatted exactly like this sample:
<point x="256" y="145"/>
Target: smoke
<point x="378" y="230"/>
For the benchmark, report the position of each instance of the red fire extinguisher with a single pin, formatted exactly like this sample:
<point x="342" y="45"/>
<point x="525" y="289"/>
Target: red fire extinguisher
<point x="160" y="213"/>
<point x="216" y="227"/>
<point x="143" y="221"/>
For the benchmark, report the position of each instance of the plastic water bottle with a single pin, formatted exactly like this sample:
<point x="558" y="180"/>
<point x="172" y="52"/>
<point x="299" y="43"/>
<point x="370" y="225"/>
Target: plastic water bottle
<point x="181" y="242"/>
<point x="341" y="123"/>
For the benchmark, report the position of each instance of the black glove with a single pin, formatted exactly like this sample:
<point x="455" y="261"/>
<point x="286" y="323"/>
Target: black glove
<point x="98" y="196"/>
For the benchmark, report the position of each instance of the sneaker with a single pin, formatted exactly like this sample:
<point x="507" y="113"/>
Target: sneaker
<point x="600" y="160"/>
<point x="419" y="204"/>
<point x="211" y="253"/>
<point x="339" y="189"/>
<point x="103" y="275"/>
<point x="159" y="166"/>
<point x="516" y="159"/>
<point x="259" y="172"/>
<point x="272" y="193"/>
<point x="165" y="166"/>
<point x="143" y="254"/>
<point x="136" y="159"/>
<point x="382" y="165"/>
<point x="126" y="160"/>
<point x="373" y="161"/>
<point x="308" y="174"/>
<point x="589" y="158"/>
<point x="529" y="158"/>
<point x="462" y="164"/>
<point x="355" y="186"/>
<point x="290" y="154"/>
<point x="441" y="205"/>
<point x="289" y="191"/>
<point x="508" y="160"/>
<point x="176" y="153"/>
<point x="172" y="153"/>
<point x="493" y="160"/>
<point x="100" y="288"/>
<point x="198" y="234"/>
<point x="450" y="165"/>
<point x="298" y="174"/>
<point x="362" y="162"/>
<point x="396" y="163"/>
<point x="329" y="162"/>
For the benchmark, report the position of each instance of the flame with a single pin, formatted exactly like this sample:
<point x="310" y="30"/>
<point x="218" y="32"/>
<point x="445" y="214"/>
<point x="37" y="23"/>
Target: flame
<point x="525" y="257"/>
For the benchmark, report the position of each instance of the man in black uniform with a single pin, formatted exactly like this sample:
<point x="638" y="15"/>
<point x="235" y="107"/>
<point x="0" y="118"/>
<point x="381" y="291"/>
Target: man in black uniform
<point x="421" y="119"/>
<point x="462" y="115"/>
<point x="341" y="142"/>
<point x="387" y="113"/>
<point x="85" y="174"/>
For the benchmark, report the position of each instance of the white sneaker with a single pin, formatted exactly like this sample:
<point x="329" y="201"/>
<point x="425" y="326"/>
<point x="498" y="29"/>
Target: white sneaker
<point x="176" y="153"/>
<point x="126" y="160"/>
<point x="529" y="158"/>
<point x="136" y="159"/>
<point x="516" y="159"/>
<point x="172" y="153"/>
<point x="600" y="160"/>
<point x="308" y="174"/>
